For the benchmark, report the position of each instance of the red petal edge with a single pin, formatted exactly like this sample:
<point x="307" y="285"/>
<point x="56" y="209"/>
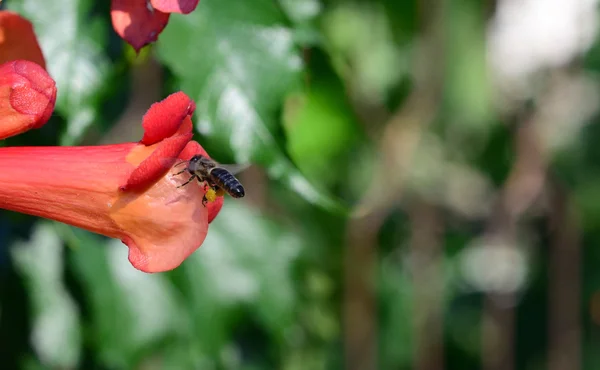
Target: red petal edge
<point x="175" y="6"/>
<point x="191" y="149"/>
<point x="164" y="118"/>
<point x="158" y="162"/>
<point x="213" y="208"/>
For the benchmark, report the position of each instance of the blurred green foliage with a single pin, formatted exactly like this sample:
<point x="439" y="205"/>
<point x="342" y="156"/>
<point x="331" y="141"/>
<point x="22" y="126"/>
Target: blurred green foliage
<point x="290" y="86"/>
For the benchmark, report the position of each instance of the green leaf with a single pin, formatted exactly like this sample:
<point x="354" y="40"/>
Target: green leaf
<point x="30" y="362"/>
<point x="73" y="42"/>
<point x="242" y="257"/>
<point x="320" y="128"/>
<point x="304" y="15"/>
<point x="468" y="88"/>
<point x="179" y="355"/>
<point x="360" y="42"/>
<point x="300" y="11"/>
<point x="397" y="296"/>
<point x="238" y="61"/>
<point x="55" y="336"/>
<point x="130" y="310"/>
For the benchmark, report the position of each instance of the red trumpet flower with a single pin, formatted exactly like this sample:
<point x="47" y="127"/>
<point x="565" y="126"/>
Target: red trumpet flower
<point x="139" y="22"/>
<point x="123" y="191"/>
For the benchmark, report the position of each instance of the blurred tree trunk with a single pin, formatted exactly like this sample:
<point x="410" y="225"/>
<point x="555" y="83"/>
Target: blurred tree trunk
<point x="359" y="305"/>
<point x="523" y="187"/>
<point x="401" y="135"/>
<point x="564" y="328"/>
<point x="498" y="332"/>
<point x="427" y="272"/>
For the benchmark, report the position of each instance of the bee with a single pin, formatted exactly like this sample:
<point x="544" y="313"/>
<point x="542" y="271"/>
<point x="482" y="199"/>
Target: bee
<point x="218" y="179"/>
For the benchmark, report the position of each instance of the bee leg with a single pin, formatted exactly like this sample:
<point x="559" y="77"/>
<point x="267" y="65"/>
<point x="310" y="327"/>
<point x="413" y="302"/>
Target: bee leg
<point x="204" y="200"/>
<point x="187" y="182"/>
<point x="179" y="173"/>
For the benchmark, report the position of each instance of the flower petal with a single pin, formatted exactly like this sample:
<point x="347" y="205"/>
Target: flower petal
<point x="164" y="118"/>
<point x="170" y="224"/>
<point x="213" y="208"/>
<point x="175" y="6"/>
<point x="136" y="22"/>
<point x="162" y="158"/>
<point x="27" y="97"/>
<point x="17" y="39"/>
<point x="191" y="149"/>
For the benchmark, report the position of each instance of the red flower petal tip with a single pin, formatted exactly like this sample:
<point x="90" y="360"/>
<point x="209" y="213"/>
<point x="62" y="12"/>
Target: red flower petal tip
<point x="167" y="131"/>
<point x="175" y="6"/>
<point x="164" y="118"/>
<point x="27" y="97"/>
<point x="137" y="22"/>
<point x="192" y="149"/>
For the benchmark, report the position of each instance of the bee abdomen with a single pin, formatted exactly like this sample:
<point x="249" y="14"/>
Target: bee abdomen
<point x="225" y="180"/>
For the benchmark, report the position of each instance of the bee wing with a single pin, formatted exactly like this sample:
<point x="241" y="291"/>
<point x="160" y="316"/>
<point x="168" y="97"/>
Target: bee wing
<point x="177" y="163"/>
<point x="234" y="168"/>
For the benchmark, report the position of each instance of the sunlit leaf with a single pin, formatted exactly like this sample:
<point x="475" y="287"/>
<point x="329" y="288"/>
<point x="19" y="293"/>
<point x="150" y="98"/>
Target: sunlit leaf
<point x="55" y="336"/>
<point x="246" y="259"/>
<point x="320" y="129"/>
<point x="238" y="60"/>
<point x="360" y="42"/>
<point x="304" y="15"/>
<point x="130" y="310"/>
<point x="469" y="88"/>
<point x="301" y="10"/>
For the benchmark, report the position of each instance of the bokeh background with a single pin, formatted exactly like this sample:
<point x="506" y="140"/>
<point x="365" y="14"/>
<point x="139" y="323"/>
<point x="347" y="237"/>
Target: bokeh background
<point x="424" y="190"/>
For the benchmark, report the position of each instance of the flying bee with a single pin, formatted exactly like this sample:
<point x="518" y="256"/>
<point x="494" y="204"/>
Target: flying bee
<point x="219" y="179"/>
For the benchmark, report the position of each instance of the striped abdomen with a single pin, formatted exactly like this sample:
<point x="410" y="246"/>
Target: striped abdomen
<point x="226" y="181"/>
